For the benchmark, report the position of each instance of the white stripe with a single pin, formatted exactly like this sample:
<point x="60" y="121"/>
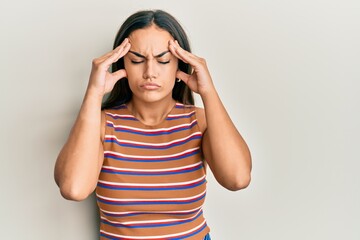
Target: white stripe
<point x="164" y="212"/>
<point x="119" y="115"/>
<point x="154" y="237"/>
<point x="152" y="157"/>
<point x="180" y="115"/>
<point x="154" y="221"/>
<point x="152" y="184"/>
<point x="153" y="170"/>
<point x="132" y="116"/>
<point x="152" y="144"/>
<point x="152" y="130"/>
<point x="150" y="199"/>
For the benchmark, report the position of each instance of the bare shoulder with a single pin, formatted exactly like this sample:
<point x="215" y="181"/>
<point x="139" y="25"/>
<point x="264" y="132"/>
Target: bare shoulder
<point x="200" y="115"/>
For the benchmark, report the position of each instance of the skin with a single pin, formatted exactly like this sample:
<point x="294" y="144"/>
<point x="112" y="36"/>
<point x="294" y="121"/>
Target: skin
<point x="151" y="59"/>
<point x="152" y="76"/>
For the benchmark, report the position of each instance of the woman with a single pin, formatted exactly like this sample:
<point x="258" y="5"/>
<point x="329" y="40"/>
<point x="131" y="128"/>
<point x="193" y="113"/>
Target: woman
<point x="144" y="151"/>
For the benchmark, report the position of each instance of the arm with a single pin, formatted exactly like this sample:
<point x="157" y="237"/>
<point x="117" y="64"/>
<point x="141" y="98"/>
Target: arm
<point x="79" y="162"/>
<point x="224" y="149"/>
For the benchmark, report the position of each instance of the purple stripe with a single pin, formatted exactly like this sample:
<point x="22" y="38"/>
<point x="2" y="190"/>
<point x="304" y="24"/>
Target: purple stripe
<point x="180" y="117"/>
<point x="151" y="133"/>
<point x="151" y="225"/>
<point x="117" y="215"/>
<point x="122" y="203"/>
<point x="160" y="159"/>
<point x="138" y="145"/>
<point x="152" y="188"/>
<point x="186" y="170"/>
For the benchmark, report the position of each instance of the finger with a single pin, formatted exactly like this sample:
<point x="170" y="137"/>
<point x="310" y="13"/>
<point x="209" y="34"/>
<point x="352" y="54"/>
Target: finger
<point x="173" y="51"/>
<point x="119" y="49"/>
<point x="117" y="55"/>
<point x="124" y="51"/>
<point x="185" y="55"/>
<point x="115" y="76"/>
<point x="116" y="51"/>
<point x="183" y="76"/>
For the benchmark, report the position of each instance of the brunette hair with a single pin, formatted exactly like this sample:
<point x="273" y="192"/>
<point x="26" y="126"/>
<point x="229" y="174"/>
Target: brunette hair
<point x="121" y="92"/>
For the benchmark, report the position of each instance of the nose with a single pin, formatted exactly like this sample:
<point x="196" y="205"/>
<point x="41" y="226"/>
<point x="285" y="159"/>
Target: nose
<point x="150" y="71"/>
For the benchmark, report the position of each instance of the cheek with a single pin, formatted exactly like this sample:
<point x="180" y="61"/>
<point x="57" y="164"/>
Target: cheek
<point x="172" y="68"/>
<point x="132" y="70"/>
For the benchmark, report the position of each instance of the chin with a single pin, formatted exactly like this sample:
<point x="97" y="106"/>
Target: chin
<point x="153" y="97"/>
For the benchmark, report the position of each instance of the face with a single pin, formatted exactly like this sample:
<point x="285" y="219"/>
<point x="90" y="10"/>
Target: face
<point x="150" y="66"/>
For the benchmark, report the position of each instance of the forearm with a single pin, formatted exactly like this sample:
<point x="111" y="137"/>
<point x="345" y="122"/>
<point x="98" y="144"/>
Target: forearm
<point x="77" y="166"/>
<point x="229" y="155"/>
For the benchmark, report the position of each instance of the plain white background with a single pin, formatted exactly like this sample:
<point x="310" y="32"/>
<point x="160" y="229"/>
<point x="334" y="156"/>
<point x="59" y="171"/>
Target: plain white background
<point x="287" y="71"/>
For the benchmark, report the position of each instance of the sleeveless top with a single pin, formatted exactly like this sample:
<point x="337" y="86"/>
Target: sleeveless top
<point x="152" y="183"/>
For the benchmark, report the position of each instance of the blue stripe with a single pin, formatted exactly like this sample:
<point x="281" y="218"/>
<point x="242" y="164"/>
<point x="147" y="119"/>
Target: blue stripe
<point x="192" y="234"/>
<point x="180" y="117"/>
<point x="150" y="203"/>
<point x="108" y="237"/>
<point x="126" y="159"/>
<point x="131" y="145"/>
<point x="182" y="106"/>
<point x="123" y="118"/>
<point x="154" y="133"/>
<point x="207" y="237"/>
<point x="146" y="213"/>
<point x="119" y="225"/>
<point x="151" y="188"/>
<point x="152" y="174"/>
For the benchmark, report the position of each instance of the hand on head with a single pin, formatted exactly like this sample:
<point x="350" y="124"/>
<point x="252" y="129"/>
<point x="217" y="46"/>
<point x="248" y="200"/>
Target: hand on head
<point x="101" y="80"/>
<point x="200" y="80"/>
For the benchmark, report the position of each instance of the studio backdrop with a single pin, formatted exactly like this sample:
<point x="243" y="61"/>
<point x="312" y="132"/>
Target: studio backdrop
<point x="287" y="72"/>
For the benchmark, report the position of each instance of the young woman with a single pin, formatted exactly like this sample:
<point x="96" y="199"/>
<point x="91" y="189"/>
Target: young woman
<point x="145" y="150"/>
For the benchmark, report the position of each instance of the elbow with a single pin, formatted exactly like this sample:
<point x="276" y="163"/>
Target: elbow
<point x="242" y="177"/>
<point x="74" y="190"/>
<point x="73" y="193"/>
<point x="239" y="183"/>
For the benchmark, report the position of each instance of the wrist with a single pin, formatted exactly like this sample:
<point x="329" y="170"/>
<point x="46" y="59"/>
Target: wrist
<point x="90" y="107"/>
<point x="92" y="99"/>
<point x="93" y="93"/>
<point x="208" y="94"/>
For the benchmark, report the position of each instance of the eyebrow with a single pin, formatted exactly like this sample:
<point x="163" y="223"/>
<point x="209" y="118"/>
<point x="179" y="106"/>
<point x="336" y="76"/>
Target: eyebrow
<point x="157" y="56"/>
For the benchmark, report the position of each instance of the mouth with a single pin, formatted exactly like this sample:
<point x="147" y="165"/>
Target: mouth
<point x="150" y="86"/>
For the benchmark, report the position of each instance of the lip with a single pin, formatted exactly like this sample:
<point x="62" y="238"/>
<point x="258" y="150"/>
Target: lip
<point x="150" y="86"/>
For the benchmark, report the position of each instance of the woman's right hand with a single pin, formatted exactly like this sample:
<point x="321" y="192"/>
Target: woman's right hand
<point x="101" y="80"/>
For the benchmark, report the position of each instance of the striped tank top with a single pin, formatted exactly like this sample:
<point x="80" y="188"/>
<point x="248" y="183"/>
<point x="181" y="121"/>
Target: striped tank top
<point x="152" y="183"/>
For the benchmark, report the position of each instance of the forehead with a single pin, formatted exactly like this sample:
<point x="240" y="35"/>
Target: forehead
<point x="151" y="40"/>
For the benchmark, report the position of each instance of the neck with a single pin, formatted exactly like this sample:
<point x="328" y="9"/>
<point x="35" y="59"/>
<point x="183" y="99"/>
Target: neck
<point x="150" y="114"/>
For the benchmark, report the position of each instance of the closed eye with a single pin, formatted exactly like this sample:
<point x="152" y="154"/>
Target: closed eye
<point x="136" y="62"/>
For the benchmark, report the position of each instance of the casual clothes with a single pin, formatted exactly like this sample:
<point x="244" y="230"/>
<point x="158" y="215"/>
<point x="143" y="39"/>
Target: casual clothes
<point x="152" y="183"/>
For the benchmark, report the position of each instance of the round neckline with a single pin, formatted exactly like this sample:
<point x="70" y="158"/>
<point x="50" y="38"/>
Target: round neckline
<point x="147" y="125"/>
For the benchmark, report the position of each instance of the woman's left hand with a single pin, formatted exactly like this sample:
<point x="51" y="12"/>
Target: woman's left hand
<point x="200" y="80"/>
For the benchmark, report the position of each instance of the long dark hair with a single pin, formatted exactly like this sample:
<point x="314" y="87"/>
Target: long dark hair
<point x="121" y="92"/>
